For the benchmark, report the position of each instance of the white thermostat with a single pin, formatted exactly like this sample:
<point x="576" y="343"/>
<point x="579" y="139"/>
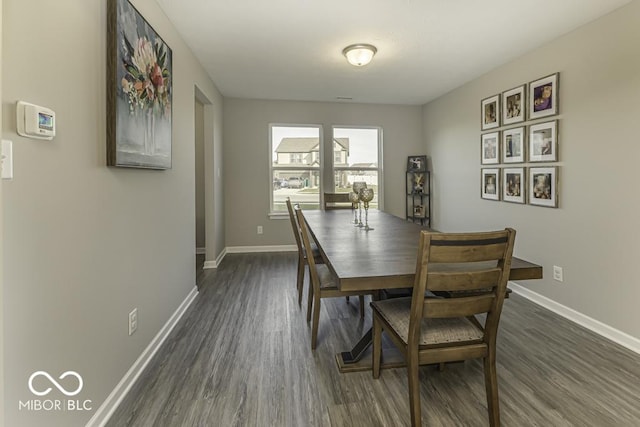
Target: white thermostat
<point x="34" y="121"/>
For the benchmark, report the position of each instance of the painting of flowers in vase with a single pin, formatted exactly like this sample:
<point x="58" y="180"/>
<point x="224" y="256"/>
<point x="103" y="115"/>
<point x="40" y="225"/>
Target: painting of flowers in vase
<point x="139" y="91"/>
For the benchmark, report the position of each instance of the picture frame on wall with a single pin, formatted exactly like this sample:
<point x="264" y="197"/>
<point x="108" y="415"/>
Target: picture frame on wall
<point x="514" y="105"/>
<point x="417" y="164"/>
<point x="514" y="184"/>
<point x="139" y="91"/>
<point x="490" y="112"/>
<point x="513" y="145"/>
<point x="490" y="148"/>
<point x="543" y="186"/>
<point x="543" y="142"/>
<point x="490" y="183"/>
<point x="544" y="97"/>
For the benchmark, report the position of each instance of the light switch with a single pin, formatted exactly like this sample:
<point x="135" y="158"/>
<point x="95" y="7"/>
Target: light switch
<point x="7" y="159"/>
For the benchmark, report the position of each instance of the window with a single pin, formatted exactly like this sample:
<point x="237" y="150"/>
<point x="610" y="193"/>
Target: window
<point x="357" y="154"/>
<point x="295" y="166"/>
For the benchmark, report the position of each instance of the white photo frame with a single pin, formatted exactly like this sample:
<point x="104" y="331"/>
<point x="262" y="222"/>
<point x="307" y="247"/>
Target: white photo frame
<point x="490" y="112"/>
<point x="543" y="97"/>
<point x="513" y="145"/>
<point x="513" y="185"/>
<point x="543" y="186"/>
<point x="490" y="184"/>
<point x="543" y="142"/>
<point x="490" y="148"/>
<point x="514" y="105"/>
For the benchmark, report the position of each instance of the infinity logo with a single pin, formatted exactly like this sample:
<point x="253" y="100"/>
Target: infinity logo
<point x="55" y="383"/>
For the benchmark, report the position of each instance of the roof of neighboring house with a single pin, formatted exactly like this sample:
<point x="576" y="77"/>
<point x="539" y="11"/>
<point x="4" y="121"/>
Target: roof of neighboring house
<point x="305" y="145"/>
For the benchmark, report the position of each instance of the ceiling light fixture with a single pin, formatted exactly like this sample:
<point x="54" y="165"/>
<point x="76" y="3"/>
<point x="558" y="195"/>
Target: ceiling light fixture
<point x="359" y="54"/>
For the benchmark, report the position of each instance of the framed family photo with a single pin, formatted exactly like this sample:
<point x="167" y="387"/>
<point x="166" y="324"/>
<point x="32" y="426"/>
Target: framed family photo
<point x="513" y="145"/>
<point x="513" y="185"/>
<point x="490" y="148"/>
<point x="543" y="186"/>
<point x="490" y="184"/>
<point x="543" y="97"/>
<point x="543" y="142"/>
<point x="490" y="112"/>
<point x="417" y="164"/>
<point x="139" y="91"/>
<point x="513" y="105"/>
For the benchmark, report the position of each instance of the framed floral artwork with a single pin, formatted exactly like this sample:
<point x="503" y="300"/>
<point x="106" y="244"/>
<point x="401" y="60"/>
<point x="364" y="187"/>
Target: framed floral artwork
<point x="490" y="112"/>
<point x="490" y="148"/>
<point x="514" y="105"/>
<point x="543" y="97"/>
<point x="513" y="145"/>
<point x="490" y="184"/>
<point x="139" y="91"/>
<point x="543" y="142"/>
<point x="543" y="186"/>
<point x="513" y="185"/>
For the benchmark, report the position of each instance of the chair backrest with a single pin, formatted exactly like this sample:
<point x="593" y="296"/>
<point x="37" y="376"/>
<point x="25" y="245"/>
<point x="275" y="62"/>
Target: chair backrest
<point x="306" y="243"/>
<point x="337" y="201"/>
<point x="294" y="225"/>
<point x="473" y="266"/>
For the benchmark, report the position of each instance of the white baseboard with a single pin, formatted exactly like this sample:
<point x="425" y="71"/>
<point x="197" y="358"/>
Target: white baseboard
<point x="111" y="403"/>
<point x="216" y="262"/>
<point x="624" y="339"/>
<point x="201" y="251"/>
<point x="247" y="250"/>
<point x="252" y="249"/>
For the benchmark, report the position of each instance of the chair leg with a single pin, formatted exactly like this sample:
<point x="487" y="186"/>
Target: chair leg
<point x="347" y="298"/>
<point x="316" y="320"/>
<point x="309" y="301"/>
<point x="414" y="387"/>
<point x="491" y="385"/>
<point x="300" y="282"/>
<point x="361" y="297"/>
<point x="377" y="346"/>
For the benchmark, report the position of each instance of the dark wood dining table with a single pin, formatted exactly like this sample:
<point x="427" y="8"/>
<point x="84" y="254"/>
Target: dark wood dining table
<point x="382" y="258"/>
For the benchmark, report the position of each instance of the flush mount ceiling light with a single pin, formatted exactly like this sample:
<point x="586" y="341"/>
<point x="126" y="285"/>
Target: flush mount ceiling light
<point x="359" y="54"/>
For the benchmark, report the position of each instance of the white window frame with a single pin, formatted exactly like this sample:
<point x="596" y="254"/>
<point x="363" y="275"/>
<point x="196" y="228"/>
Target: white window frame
<point x="379" y="169"/>
<point x="284" y="214"/>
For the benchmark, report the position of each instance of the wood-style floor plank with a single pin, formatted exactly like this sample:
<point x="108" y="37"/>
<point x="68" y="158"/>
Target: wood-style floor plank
<point x="241" y="357"/>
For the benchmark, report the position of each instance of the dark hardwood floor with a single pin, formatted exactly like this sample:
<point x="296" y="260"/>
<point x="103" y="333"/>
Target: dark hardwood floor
<point x="241" y="356"/>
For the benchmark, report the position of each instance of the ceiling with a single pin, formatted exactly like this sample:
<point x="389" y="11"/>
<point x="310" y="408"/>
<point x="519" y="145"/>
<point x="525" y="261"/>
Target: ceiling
<point x="292" y="49"/>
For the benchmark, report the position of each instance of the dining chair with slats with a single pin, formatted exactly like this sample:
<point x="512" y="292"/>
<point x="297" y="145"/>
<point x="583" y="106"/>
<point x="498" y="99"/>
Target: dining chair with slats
<point x="428" y="330"/>
<point x="322" y="282"/>
<point x="337" y="201"/>
<point x="302" y="254"/>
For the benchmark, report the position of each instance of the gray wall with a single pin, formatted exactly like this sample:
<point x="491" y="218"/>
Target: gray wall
<point x="593" y="235"/>
<point x="86" y="243"/>
<point x="199" y="171"/>
<point x="2" y="366"/>
<point x="247" y="157"/>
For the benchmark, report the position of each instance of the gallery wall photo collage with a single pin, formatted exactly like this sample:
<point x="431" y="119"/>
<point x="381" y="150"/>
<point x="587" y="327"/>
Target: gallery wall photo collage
<point x="519" y="144"/>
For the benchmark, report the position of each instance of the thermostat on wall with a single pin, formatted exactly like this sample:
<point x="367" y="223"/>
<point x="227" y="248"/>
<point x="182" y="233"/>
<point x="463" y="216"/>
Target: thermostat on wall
<point x="34" y="121"/>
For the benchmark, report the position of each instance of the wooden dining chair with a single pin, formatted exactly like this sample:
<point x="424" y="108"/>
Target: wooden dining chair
<point x="337" y="201"/>
<point x="430" y="330"/>
<point x="302" y="254"/>
<point x="323" y="283"/>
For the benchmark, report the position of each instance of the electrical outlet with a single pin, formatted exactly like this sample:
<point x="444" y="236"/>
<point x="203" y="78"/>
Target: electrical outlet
<point x="133" y="321"/>
<point x="557" y="273"/>
<point x="260" y="229"/>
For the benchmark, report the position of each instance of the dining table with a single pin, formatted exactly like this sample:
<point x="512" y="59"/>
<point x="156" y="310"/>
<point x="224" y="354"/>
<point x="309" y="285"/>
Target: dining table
<point x="382" y="258"/>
